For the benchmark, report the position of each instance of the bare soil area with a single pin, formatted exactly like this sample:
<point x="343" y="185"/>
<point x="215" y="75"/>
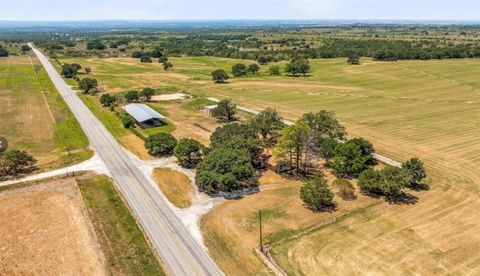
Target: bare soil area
<point x="170" y="97"/>
<point x="45" y="229"/>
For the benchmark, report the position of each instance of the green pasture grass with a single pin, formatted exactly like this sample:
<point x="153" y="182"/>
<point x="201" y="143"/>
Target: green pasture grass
<point x="123" y="242"/>
<point x="29" y="102"/>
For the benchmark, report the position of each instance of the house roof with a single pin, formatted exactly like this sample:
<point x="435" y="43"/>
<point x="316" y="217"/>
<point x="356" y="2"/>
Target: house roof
<point x="142" y="112"/>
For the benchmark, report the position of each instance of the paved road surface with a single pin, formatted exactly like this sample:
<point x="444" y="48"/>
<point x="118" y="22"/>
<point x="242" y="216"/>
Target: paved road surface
<point x="376" y="156"/>
<point x="181" y="254"/>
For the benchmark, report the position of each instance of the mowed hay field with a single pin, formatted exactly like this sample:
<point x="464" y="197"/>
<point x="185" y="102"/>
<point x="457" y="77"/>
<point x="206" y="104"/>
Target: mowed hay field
<point x="231" y="229"/>
<point x="427" y="109"/>
<point x="33" y="116"/>
<point x="46" y="230"/>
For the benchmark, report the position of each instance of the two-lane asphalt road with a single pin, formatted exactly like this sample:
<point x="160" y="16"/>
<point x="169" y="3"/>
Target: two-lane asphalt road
<point x="181" y="254"/>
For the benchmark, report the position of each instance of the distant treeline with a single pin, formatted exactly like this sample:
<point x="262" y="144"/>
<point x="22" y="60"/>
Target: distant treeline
<point x="331" y="48"/>
<point x="270" y="44"/>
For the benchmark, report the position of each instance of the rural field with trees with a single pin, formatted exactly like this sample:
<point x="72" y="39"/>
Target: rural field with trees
<point x="328" y="100"/>
<point x="374" y="100"/>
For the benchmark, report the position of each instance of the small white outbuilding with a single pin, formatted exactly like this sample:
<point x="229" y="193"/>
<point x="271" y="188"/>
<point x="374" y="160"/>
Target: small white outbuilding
<point x="209" y="110"/>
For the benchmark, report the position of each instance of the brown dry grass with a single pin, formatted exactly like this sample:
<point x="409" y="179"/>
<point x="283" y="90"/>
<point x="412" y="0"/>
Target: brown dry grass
<point x="176" y="186"/>
<point x="189" y="123"/>
<point x="231" y="228"/>
<point x="136" y="145"/>
<point x="45" y="229"/>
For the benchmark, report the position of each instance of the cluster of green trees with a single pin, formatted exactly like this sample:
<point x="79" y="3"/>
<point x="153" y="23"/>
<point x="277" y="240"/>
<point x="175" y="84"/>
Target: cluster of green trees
<point x="298" y="66"/>
<point x="108" y="100"/>
<point x="25" y="48"/>
<point x="88" y="86"/>
<point x="229" y="164"/>
<point x="314" y="134"/>
<point x="385" y="56"/>
<point x="143" y="95"/>
<point x="96" y="45"/>
<point x="189" y="152"/>
<point x="351" y="158"/>
<point x="70" y="70"/>
<point x="265" y="59"/>
<point x="240" y="69"/>
<point x="392" y="180"/>
<point x="235" y="153"/>
<point x="146" y="57"/>
<point x="14" y="161"/>
<point x="353" y="58"/>
<point x="320" y="135"/>
<point x="225" y="110"/>
<point x="219" y="76"/>
<point x="3" y="52"/>
<point x="316" y="194"/>
<point x="160" y="144"/>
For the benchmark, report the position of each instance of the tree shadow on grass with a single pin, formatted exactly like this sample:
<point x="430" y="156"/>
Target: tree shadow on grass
<point x="20" y="173"/>
<point x="420" y="187"/>
<point x="402" y="199"/>
<point x="329" y="208"/>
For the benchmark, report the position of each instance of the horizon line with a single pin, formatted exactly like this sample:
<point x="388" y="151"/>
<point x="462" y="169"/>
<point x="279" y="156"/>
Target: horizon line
<point x="244" y="19"/>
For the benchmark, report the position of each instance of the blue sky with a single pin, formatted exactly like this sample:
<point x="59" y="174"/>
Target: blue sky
<point x="239" y="9"/>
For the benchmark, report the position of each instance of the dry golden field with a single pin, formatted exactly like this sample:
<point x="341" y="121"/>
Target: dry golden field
<point x="46" y="230"/>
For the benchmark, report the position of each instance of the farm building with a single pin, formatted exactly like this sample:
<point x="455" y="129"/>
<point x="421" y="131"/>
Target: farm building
<point x="144" y="116"/>
<point x="209" y="110"/>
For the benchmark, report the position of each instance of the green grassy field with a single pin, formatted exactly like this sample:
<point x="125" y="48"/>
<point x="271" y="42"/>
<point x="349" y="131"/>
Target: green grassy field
<point x="123" y="242"/>
<point x="427" y="109"/>
<point x="34" y="117"/>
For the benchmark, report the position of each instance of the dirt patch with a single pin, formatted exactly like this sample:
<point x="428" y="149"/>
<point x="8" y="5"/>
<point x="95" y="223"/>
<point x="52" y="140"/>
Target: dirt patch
<point x="46" y="230"/>
<point x="170" y="97"/>
<point x="176" y="186"/>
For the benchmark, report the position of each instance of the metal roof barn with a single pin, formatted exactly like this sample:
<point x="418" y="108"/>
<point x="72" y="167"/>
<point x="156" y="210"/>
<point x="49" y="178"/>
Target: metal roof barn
<point x="144" y="115"/>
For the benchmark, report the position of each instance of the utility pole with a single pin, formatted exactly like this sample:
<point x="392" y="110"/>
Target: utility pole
<point x="261" y="237"/>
